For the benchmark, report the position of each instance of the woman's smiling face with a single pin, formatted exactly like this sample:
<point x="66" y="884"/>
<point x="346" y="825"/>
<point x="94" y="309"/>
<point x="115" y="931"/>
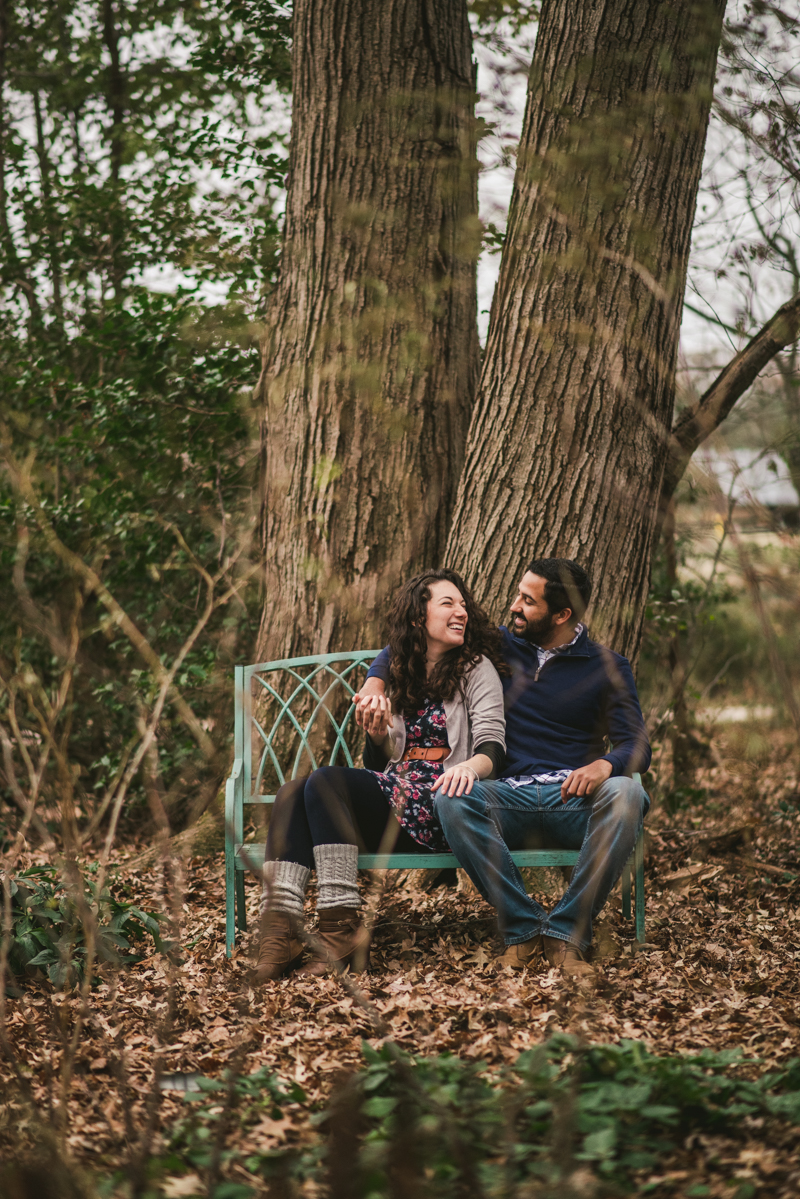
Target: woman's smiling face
<point x="446" y="618"/>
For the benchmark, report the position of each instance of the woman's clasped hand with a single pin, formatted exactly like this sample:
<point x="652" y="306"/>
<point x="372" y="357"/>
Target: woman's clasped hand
<point x="374" y="714"/>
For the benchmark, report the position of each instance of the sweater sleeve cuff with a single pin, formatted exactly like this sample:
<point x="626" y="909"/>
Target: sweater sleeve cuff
<point x="374" y="756"/>
<point x="495" y="753"/>
<point x="617" y="764"/>
<point x="380" y="667"/>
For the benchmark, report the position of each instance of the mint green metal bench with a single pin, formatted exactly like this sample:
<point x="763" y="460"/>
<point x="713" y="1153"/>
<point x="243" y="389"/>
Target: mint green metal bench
<point x="294" y="715"/>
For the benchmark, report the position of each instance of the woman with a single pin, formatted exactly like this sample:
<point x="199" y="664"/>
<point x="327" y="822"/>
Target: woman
<point x="447" y="730"/>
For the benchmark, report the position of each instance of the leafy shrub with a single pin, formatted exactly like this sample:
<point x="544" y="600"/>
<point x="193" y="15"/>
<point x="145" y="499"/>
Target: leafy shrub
<point x="48" y="929"/>
<point x="134" y="272"/>
<point x="252" y="1097"/>
<point x="446" y="1127"/>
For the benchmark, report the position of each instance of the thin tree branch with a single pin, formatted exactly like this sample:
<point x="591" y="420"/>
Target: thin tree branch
<point x="14" y="270"/>
<point x="49" y="209"/>
<point x="712" y="318"/>
<point x="94" y="583"/>
<point x="699" y="421"/>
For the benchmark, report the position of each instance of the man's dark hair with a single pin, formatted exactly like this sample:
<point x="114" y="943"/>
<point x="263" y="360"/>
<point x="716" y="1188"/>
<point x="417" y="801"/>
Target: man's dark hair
<point x="567" y="586"/>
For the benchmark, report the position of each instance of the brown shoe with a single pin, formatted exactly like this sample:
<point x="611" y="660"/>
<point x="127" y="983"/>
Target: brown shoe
<point x="346" y="940"/>
<point x="279" y="951"/>
<point x="520" y="955"/>
<point x="566" y="957"/>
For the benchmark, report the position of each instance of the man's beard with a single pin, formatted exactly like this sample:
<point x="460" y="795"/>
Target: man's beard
<point x="536" y="631"/>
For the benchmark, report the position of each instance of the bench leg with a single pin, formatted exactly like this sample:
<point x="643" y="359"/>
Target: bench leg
<point x="241" y="914"/>
<point x="638" y="861"/>
<point x="230" y="902"/>
<point x="626" y="891"/>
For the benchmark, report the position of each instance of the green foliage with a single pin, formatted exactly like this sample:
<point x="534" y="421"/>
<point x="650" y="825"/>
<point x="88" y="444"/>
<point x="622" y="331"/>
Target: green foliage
<point x="48" y="928"/>
<point x="686" y="619"/>
<point x="690" y="608"/>
<point x="515" y="14"/>
<point x="447" y="1127"/>
<point x="133" y="141"/>
<point x="145" y="454"/>
<point x="197" y="1142"/>
<point x="703" y="634"/>
<point x="143" y="151"/>
<point x="615" y="1108"/>
<point x="250" y="1097"/>
<point x="680" y="645"/>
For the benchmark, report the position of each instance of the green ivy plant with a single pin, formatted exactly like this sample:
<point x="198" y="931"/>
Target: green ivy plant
<point x="444" y="1127"/>
<point x="47" y="930"/>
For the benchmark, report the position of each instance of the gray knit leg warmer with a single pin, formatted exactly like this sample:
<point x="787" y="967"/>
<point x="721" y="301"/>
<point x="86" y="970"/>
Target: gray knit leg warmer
<point x="284" y="887"/>
<point x="337" y="876"/>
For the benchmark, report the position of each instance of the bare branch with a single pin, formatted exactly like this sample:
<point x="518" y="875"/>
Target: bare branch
<point x="93" y="582"/>
<point x="700" y="420"/>
<point x="26" y="806"/>
<point x="712" y="318"/>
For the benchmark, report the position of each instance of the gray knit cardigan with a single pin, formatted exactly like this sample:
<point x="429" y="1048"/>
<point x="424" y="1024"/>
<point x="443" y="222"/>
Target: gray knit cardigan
<point x="473" y="717"/>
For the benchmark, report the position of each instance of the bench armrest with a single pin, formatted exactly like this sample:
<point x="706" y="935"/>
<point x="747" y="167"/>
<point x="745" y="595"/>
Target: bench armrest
<point x="233" y="791"/>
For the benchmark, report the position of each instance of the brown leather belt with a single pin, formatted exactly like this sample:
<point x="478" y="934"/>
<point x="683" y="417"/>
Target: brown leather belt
<point x="433" y="753"/>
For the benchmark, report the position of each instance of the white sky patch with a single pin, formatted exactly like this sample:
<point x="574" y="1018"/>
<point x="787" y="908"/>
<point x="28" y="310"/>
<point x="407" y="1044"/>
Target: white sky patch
<point x="502" y="90"/>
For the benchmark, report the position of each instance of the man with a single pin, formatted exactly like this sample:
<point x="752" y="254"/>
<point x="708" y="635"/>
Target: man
<point x="566" y="697"/>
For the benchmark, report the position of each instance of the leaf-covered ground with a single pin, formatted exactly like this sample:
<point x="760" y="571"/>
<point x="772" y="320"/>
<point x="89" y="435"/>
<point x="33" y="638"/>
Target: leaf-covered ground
<point x="720" y="971"/>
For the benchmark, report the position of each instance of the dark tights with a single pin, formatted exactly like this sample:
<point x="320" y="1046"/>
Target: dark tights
<point x="334" y="805"/>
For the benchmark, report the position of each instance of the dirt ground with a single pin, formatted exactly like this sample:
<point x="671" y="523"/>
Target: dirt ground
<point x="720" y="970"/>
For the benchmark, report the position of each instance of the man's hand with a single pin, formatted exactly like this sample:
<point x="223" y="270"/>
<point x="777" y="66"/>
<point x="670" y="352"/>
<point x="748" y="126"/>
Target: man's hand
<point x="369" y="688"/>
<point x="373" y="711"/>
<point x="586" y="780"/>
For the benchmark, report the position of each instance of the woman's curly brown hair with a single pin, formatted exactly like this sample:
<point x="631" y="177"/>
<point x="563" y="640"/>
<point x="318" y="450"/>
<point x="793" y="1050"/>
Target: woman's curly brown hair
<point x="408" y="684"/>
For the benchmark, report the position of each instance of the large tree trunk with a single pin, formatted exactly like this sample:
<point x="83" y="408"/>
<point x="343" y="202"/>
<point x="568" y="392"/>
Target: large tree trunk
<point x="371" y="352"/>
<point x="569" y="435"/>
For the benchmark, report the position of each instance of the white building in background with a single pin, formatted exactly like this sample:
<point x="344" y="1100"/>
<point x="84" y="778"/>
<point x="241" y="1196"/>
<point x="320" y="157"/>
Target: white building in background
<point x="751" y="478"/>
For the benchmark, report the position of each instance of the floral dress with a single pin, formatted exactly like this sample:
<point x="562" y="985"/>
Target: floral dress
<point x="407" y="785"/>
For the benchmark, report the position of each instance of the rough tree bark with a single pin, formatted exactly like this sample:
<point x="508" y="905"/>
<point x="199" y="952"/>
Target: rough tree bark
<point x="371" y="352"/>
<point x="570" y="432"/>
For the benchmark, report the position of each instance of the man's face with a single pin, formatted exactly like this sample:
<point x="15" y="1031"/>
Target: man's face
<point x="531" y="619"/>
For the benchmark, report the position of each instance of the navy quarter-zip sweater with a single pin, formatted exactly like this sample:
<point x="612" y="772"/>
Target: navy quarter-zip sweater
<point x="559" y="716"/>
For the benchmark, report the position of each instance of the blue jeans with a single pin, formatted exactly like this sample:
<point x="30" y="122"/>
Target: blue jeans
<point x="494" y="818"/>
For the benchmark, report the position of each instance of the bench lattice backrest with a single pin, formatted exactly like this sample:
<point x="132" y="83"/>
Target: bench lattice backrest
<point x="294" y="715"/>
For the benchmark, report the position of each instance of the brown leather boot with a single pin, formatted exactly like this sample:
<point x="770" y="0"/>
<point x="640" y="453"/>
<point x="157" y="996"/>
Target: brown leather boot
<point x="346" y="940"/>
<point x="567" y="958"/>
<point x="520" y="955"/>
<point x="280" y="950"/>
